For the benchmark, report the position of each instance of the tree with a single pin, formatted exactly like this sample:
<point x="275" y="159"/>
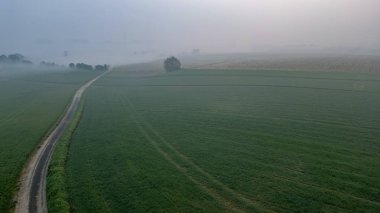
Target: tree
<point x="14" y="59"/>
<point x="17" y="58"/>
<point x="172" y="64"/>
<point x="72" y="65"/>
<point x="83" y="66"/>
<point x="104" y="67"/>
<point x="3" y="58"/>
<point x="48" y="64"/>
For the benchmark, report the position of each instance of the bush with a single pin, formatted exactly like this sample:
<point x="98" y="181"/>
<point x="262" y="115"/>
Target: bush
<point x="172" y="64"/>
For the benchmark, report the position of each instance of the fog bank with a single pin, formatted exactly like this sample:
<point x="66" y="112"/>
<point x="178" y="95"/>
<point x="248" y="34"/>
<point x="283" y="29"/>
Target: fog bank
<point x="126" y="31"/>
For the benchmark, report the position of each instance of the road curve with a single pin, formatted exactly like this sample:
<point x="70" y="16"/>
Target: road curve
<point x="31" y="196"/>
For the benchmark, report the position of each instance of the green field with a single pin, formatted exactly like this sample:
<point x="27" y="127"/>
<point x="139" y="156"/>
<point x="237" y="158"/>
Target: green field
<point x="31" y="101"/>
<point x="205" y="140"/>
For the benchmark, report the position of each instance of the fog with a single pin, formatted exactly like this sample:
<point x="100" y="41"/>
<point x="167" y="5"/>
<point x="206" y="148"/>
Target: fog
<point x="125" y="31"/>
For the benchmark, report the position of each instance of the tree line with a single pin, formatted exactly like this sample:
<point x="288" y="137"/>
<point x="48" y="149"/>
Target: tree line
<point x="83" y="66"/>
<point x="14" y="59"/>
<point x="170" y="64"/>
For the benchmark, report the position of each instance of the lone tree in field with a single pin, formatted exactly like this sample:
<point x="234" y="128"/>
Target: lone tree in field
<point x="172" y="64"/>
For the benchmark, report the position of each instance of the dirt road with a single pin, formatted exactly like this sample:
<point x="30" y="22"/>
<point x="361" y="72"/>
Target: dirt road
<point x="31" y="196"/>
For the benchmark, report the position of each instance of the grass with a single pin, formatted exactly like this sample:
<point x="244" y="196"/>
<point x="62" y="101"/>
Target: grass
<point x="57" y="196"/>
<point x="31" y="102"/>
<point x="206" y="140"/>
<point x="291" y="62"/>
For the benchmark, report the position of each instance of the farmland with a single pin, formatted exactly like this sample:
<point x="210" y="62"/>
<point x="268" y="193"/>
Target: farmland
<point x="31" y="101"/>
<point x="223" y="140"/>
<point x="291" y="62"/>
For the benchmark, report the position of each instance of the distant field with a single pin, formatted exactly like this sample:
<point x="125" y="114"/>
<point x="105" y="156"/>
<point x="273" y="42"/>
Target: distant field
<point x="222" y="140"/>
<point x="31" y="101"/>
<point x="290" y="62"/>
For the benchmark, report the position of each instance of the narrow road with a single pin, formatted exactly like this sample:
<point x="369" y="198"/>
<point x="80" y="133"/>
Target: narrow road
<point x="31" y="196"/>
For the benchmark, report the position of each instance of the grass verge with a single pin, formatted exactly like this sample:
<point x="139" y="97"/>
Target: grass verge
<point x="57" y="196"/>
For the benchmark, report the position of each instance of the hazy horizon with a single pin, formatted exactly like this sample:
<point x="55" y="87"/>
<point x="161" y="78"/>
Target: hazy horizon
<point x="119" y="31"/>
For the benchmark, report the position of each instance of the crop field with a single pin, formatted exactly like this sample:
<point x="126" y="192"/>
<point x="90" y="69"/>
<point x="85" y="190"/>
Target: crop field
<point x="233" y="141"/>
<point x="31" y="102"/>
<point x="291" y="62"/>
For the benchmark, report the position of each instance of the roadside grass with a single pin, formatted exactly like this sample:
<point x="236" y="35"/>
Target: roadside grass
<point x="57" y="196"/>
<point x="30" y="104"/>
<point x="233" y="141"/>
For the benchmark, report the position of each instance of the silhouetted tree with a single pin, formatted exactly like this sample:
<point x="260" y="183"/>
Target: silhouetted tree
<point x="104" y="67"/>
<point x="3" y="58"/>
<point x="16" y="58"/>
<point x="172" y="64"/>
<point x="49" y="64"/>
<point x="72" y="65"/>
<point x="83" y="66"/>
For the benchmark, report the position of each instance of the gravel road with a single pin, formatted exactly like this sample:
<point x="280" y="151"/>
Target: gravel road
<point x="31" y="196"/>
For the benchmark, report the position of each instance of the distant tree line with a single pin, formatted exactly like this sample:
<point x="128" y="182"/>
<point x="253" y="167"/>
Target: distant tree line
<point x="20" y="59"/>
<point x="14" y="59"/>
<point x="50" y="64"/>
<point x="83" y="66"/>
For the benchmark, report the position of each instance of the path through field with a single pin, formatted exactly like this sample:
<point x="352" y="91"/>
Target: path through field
<point x="32" y="193"/>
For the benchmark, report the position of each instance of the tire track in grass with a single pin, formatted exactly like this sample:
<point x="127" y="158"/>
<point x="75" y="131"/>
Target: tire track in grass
<point x="212" y="186"/>
<point x="225" y="188"/>
<point x="330" y="192"/>
<point x="337" y="192"/>
<point x="227" y="204"/>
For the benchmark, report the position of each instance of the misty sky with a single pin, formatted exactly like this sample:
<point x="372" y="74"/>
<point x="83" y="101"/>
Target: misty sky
<point x="120" y="31"/>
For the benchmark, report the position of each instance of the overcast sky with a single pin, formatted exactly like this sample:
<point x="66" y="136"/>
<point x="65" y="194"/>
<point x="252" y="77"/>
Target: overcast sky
<point x="116" y="31"/>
